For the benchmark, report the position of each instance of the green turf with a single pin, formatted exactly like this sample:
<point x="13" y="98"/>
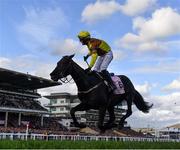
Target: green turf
<point x="37" y="144"/>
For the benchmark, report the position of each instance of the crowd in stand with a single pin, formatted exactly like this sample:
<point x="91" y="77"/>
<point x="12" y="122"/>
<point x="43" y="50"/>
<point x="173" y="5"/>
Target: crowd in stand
<point x="35" y="131"/>
<point x="21" y="102"/>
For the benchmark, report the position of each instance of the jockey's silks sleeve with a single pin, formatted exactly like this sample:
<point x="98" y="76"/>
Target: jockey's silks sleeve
<point x="93" y="59"/>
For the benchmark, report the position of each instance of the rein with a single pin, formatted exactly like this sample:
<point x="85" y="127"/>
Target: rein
<point x="91" y="89"/>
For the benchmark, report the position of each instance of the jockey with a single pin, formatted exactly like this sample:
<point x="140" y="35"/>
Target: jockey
<point x="97" y="48"/>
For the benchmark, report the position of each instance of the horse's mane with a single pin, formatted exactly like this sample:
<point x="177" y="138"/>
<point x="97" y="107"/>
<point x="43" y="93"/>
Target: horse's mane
<point x="80" y="71"/>
<point x="91" y="77"/>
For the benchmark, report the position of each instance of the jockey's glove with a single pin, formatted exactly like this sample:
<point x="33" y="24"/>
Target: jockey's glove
<point x="86" y="57"/>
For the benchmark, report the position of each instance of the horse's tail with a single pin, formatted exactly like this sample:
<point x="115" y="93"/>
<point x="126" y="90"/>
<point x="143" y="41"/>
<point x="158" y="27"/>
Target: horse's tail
<point x="140" y="103"/>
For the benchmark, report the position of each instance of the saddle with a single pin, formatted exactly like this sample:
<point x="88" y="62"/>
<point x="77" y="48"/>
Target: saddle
<point x="119" y="85"/>
<point x="116" y="80"/>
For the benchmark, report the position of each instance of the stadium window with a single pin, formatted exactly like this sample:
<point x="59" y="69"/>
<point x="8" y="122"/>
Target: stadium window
<point x="54" y="101"/>
<point x="62" y="101"/>
<point x="62" y="109"/>
<point x="53" y="109"/>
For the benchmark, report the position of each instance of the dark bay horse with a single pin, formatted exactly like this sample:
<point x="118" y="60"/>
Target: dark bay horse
<point x="94" y="94"/>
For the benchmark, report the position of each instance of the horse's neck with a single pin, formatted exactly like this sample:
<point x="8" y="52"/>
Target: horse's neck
<point x="79" y="77"/>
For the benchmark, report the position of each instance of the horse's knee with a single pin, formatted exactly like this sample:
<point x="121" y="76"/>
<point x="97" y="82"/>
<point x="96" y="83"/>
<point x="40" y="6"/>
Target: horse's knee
<point x="72" y="111"/>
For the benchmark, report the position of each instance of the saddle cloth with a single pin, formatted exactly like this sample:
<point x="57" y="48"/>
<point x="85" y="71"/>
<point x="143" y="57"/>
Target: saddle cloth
<point x="119" y="85"/>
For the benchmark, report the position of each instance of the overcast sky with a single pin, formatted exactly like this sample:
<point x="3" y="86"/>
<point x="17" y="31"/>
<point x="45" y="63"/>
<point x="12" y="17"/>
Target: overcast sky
<point x="143" y="34"/>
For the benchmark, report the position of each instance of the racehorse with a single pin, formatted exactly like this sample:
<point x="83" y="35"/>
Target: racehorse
<point x="94" y="93"/>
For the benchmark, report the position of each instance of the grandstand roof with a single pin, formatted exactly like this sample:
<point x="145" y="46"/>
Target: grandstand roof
<point x="21" y="80"/>
<point x="17" y="110"/>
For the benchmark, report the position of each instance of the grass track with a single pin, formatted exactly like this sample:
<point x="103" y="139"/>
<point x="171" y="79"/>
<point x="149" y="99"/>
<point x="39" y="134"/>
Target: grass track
<point x="17" y="144"/>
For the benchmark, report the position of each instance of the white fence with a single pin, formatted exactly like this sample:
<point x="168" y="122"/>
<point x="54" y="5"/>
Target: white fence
<point x="24" y="136"/>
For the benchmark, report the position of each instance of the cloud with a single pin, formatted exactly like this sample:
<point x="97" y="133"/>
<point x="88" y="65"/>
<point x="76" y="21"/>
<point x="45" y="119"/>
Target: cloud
<point x="118" y="55"/>
<point x="136" y="7"/>
<point x="161" y="67"/>
<point x="100" y="10"/>
<point x="165" y="111"/>
<point x="40" y="26"/>
<point x="152" y="33"/>
<point x="44" y="70"/>
<point x="144" y="89"/>
<point x="174" y="85"/>
<point x="67" y="46"/>
<point x="4" y="62"/>
<point x="163" y="23"/>
<point x="136" y="43"/>
<point x="30" y="64"/>
<point x="21" y="63"/>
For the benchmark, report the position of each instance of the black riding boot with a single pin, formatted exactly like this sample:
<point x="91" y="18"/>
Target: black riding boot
<point x="107" y="77"/>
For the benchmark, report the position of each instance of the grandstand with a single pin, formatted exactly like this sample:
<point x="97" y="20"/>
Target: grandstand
<point x="18" y="99"/>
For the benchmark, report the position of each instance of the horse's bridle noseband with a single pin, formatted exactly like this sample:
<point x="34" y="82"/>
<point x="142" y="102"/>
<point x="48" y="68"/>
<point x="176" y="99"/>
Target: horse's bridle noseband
<point x="63" y="72"/>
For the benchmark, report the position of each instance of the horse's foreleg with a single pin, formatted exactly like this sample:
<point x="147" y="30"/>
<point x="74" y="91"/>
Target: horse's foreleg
<point x="80" y="107"/>
<point x="128" y="113"/>
<point x="102" y="112"/>
<point x="110" y="124"/>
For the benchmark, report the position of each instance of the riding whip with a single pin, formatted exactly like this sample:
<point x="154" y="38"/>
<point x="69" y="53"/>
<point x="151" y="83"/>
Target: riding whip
<point x="87" y="63"/>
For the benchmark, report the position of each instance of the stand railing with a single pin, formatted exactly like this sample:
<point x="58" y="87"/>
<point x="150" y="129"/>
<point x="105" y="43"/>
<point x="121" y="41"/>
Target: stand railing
<point x="33" y="136"/>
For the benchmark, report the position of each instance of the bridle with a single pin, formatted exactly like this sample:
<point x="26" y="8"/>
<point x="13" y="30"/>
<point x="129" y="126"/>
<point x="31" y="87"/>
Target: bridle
<point x="65" y="79"/>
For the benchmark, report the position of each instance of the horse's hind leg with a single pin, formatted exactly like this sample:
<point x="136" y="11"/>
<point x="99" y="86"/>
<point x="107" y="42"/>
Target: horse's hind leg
<point x="129" y="99"/>
<point x="110" y="124"/>
<point x="80" y="107"/>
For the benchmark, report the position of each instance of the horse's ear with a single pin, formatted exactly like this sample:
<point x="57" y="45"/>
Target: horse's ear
<point x="71" y="56"/>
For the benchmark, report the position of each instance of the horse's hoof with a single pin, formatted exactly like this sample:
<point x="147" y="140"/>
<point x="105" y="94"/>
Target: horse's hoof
<point x="102" y="131"/>
<point x="109" y="126"/>
<point x="82" y="125"/>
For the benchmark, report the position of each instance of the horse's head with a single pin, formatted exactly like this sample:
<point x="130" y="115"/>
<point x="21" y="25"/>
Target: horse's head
<point x="62" y="69"/>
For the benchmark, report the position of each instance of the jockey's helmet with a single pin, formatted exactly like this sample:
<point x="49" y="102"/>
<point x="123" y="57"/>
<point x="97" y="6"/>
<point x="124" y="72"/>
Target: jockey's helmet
<point x="83" y="35"/>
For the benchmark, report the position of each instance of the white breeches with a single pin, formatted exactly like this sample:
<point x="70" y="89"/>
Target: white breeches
<point x="103" y="61"/>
